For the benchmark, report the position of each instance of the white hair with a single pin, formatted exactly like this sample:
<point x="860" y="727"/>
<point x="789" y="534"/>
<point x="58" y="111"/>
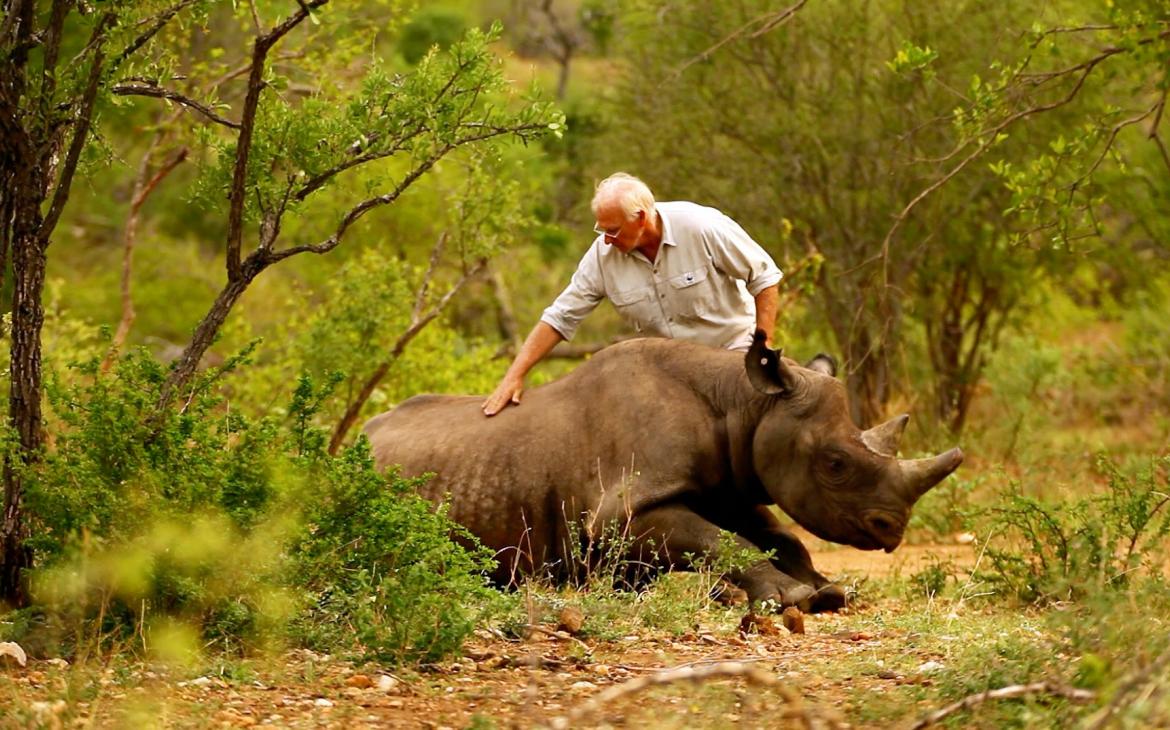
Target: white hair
<point x="627" y="191"/>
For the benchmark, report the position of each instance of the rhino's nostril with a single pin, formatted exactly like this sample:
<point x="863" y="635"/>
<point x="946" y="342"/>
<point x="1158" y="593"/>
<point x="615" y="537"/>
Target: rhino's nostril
<point x="883" y="526"/>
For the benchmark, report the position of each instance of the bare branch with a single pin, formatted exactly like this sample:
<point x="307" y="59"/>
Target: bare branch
<point x="247" y="127"/>
<point x="766" y="22"/>
<point x="52" y="49"/>
<point x="259" y="26"/>
<point x="159" y="92"/>
<point x="420" y="298"/>
<point x="1010" y="692"/>
<point x="80" y="131"/>
<point x="143" y="187"/>
<point x="752" y="674"/>
<point x="417" y="324"/>
<point x="158" y="23"/>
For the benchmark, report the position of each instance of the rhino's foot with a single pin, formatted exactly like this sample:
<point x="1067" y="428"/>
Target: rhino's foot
<point x="829" y="597"/>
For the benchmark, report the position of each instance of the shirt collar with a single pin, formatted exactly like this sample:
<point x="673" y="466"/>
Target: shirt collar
<point x="667" y="236"/>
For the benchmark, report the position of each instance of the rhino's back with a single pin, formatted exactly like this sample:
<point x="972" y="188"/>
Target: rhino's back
<point x="568" y="442"/>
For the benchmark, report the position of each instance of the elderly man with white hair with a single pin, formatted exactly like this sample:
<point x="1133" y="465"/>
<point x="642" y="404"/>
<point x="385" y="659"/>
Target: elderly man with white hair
<point x="671" y="269"/>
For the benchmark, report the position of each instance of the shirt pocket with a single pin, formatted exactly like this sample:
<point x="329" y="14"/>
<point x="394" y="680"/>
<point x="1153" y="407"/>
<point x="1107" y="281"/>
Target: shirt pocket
<point x="693" y="293"/>
<point x="634" y="305"/>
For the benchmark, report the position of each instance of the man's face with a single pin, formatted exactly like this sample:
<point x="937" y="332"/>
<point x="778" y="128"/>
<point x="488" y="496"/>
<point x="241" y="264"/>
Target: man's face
<point x="618" y="230"/>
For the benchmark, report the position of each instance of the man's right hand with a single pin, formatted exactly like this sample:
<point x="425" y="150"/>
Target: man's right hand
<point x="506" y="393"/>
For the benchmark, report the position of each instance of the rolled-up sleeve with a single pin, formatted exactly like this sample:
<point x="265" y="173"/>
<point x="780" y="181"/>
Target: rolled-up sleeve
<point x="584" y="292"/>
<point x="736" y="254"/>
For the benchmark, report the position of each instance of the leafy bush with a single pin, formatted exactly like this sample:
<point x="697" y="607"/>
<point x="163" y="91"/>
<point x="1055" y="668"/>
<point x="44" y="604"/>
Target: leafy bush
<point x="1043" y="551"/>
<point x="168" y="531"/>
<point x="379" y="567"/>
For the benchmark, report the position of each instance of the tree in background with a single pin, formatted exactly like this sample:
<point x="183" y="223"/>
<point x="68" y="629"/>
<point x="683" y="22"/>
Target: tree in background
<point x="849" y="132"/>
<point x="271" y="153"/>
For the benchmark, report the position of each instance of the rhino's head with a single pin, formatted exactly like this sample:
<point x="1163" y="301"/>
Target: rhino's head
<point x="839" y="482"/>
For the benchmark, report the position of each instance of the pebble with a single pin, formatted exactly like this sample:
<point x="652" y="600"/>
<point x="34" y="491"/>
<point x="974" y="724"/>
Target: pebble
<point x="583" y="685"/>
<point x="322" y="702"/>
<point x="387" y="684"/>
<point x="571" y="620"/>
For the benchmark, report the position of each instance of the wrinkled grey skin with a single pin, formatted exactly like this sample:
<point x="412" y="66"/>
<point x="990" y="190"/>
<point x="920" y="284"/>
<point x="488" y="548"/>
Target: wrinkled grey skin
<point x="671" y="442"/>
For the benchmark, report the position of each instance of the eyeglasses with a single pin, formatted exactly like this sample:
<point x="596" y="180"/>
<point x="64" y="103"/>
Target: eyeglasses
<point x="607" y="232"/>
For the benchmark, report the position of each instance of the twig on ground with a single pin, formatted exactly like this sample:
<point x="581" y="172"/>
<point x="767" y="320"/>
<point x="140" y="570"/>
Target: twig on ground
<point x="564" y="635"/>
<point x="752" y="674"/>
<point x="1003" y="693"/>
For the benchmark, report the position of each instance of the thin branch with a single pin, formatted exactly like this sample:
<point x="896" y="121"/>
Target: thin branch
<point x="160" y="22"/>
<point x="259" y="26"/>
<point x="766" y="22"/>
<point x="143" y="187"/>
<point x="52" y="49"/>
<point x="376" y="202"/>
<point x="1010" y="692"/>
<point x="256" y="84"/>
<point x="417" y="324"/>
<point x="990" y="138"/>
<point x="159" y="92"/>
<point x="1102" y="717"/>
<point x="80" y="132"/>
<point x="421" y="297"/>
<point x="754" y="675"/>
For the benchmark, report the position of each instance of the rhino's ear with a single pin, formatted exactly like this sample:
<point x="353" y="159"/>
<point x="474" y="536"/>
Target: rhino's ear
<point x="823" y="363"/>
<point x="766" y="370"/>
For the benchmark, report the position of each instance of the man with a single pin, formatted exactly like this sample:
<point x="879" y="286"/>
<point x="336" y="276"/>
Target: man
<point x="671" y="270"/>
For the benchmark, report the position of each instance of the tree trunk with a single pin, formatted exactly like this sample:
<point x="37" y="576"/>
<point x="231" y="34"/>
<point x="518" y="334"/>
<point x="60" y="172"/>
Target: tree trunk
<point x="24" y="398"/>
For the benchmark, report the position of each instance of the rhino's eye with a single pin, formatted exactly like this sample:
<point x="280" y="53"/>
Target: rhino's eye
<point x="834" y="468"/>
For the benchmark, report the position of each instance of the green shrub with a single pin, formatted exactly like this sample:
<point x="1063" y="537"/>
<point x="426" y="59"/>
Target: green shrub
<point x="1041" y="551"/>
<point x="167" y="532"/>
<point x="379" y="568"/>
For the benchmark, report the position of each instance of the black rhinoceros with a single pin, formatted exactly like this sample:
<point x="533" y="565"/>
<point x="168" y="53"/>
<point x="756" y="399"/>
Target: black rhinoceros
<point x="673" y="442"/>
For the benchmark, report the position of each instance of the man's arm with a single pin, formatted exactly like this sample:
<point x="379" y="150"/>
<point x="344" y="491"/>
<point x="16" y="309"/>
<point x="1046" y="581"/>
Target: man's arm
<point x="767" y="304"/>
<point x="539" y="343"/>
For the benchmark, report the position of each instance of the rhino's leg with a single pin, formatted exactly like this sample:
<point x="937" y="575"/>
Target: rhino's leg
<point x="759" y="525"/>
<point x="673" y="534"/>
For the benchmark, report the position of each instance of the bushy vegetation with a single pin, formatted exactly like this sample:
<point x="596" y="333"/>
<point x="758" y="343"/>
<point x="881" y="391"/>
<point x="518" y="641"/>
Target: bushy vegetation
<point x="165" y="531"/>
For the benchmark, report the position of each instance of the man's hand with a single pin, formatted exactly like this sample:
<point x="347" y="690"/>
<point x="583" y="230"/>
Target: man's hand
<point x="506" y="393"/>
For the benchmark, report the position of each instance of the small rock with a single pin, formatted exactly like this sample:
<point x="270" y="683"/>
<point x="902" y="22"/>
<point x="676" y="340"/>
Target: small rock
<point x="200" y="682"/>
<point x="322" y="702"/>
<point x="62" y="664"/>
<point x="887" y="674"/>
<point x="571" y="620"/>
<point x="360" y="681"/>
<point x="582" y="685"/>
<point x="965" y="538"/>
<point x="755" y="624"/>
<point x="929" y="667"/>
<point x="12" y="649"/>
<point x="793" y="620"/>
<point x="395" y="704"/>
<point x="387" y="684"/>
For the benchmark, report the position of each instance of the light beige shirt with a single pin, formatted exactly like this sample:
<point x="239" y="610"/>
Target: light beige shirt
<point x="702" y="286"/>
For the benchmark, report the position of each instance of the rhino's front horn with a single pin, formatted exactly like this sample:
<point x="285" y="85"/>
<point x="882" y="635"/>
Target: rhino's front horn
<point x="919" y="475"/>
<point x="883" y="440"/>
